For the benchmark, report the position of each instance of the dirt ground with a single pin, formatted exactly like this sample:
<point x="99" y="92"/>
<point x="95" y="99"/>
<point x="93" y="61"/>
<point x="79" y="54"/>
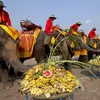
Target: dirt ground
<point x="91" y="90"/>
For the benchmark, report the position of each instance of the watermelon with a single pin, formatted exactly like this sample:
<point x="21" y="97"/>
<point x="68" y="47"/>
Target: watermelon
<point x="47" y="73"/>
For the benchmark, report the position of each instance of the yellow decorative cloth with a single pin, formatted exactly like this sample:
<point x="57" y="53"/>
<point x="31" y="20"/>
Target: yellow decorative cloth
<point x="27" y="42"/>
<point x="52" y="42"/>
<point x="84" y="51"/>
<point x="53" y="39"/>
<point x="77" y="52"/>
<point x="72" y="44"/>
<point x="74" y="32"/>
<point x="11" y="31"/>
<point x="94" y="44"/>
<point x="61" y="32"/>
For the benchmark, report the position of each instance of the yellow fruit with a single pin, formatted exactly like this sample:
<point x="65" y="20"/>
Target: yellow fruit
<point x="60" y="81"/>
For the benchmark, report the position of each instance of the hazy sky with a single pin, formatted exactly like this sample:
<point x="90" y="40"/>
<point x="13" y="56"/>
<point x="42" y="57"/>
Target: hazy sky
<point x="67" y="12"/>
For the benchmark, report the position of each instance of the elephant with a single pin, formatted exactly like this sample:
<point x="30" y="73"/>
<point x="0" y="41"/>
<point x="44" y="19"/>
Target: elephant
<point x="8" y="53"/>
<point x="9" y="50"/>
<point x="81" y="44"/>
<point x="80" y="41"/>
<point x="43" y="49"/>
<point x="38" y="49"/>
<point x="62" y="48"/>
<point x="90" y="43"/>
<point x="8" y="56"/>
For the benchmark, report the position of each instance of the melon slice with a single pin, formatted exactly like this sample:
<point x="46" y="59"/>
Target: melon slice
<point x="47" y="73"/>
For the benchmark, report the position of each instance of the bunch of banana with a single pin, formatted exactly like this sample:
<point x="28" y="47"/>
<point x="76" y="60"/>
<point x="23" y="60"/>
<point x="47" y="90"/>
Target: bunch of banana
<point x="36" y="91"/>
<point x="95" y="61"/>
<point x="36" y="83"/>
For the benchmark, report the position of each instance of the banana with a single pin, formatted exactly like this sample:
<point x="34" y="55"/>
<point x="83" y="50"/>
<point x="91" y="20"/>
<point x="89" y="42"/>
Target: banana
<point x="95" y="61"/>
<point x="61" y="81"/>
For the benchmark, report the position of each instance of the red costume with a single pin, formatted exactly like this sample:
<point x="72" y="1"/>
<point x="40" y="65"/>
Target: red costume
<point x="74" y="27"/>
<point x="92" y="34"/>
<point x="4" y="18"/>
<point x="48" y="26"/>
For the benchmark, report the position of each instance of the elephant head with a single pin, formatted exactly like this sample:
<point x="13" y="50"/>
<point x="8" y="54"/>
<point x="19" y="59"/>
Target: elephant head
<point x="80" y="41"/>
<point x="89" y="48"/>
<point x="8" y="51"/>
<point x="62" y="48"/>
<point x="90" y="43"/>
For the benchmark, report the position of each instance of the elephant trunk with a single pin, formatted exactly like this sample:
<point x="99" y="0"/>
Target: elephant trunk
<point x="17" y="65"/>
<point x="9" y="54"/>
<point x="85" y="46"/>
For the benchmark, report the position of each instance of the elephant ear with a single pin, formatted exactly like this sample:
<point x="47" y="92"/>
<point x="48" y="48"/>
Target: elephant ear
<point x="55" y="33"/>
<point x="89" y="43"/>
<point x="76" y="41"/>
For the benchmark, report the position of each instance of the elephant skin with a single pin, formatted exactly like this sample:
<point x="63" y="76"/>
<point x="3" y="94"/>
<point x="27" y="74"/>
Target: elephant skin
<point x="62" y="48"/>
<point x="83" y="58"/>
<point x="8" y="54"/>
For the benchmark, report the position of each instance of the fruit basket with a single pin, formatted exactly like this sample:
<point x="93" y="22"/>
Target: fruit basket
<point x="48" y="81"/>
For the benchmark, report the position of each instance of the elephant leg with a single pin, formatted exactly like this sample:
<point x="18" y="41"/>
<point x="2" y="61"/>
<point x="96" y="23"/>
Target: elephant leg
<point x="65" y="55"/>
<point x="4" y="71"/>
<point x="90" y="55"/>
<point x="4" y="75"/>
<point x="11" y="71"/>
<point x="83" y="58"/>
<point x="69" y="65"/>
<point x="47" y="51"/>
<point x="5" y="78"/>
<point x="39" y="53"/>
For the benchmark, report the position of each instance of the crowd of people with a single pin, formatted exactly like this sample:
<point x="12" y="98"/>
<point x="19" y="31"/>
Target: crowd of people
<point x="5" y="20"/>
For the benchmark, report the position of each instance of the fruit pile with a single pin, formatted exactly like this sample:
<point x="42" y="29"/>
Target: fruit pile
<point x="48" y="80"/>
<point x="95" y="61"/>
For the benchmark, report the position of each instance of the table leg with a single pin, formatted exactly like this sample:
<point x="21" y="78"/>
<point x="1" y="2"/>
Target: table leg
<point x="72" y="96"/>
<point x="26" y="97"/>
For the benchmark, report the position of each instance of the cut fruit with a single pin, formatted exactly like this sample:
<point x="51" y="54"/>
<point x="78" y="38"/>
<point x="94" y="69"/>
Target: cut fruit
<point x="47" y="73"/>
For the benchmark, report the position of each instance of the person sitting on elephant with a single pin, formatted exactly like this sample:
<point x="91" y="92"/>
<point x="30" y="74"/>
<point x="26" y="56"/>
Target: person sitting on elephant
<point x="74" y="37"/>
<point x="74" y="27"/>
<point x="48" y="28"/>
<point x="92" y="33"/>
<point x="4" y="16"/>
<point x="29" y="25"/>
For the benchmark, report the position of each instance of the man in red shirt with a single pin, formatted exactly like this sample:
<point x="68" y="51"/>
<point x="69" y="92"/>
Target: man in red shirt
<point x="49" y="24"/>
<point x="75" y="27"/>
<point x="75" y="38"/>
<point x="92" y="33"/>
<point x="48" y="28"/>
<point x="4" y="16"/>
